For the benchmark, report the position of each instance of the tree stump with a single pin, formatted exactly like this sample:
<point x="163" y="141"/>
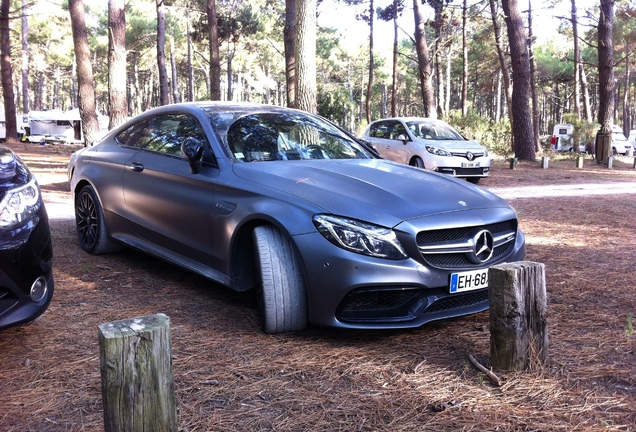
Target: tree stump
<point x="137" y="380"/>
<point x="518" y="321"/>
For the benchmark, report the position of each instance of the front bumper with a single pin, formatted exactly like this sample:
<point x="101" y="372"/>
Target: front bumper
<point x="26" y="271"/>
<point x="349" y="290"/>
<point x="464" y="172"/>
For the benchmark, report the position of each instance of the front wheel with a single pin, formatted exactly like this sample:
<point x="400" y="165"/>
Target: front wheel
<point x="417" y="162"/>
<point x="90" y="223"/>
<point x="282" y="296"/>
<point x="473" y="180"/>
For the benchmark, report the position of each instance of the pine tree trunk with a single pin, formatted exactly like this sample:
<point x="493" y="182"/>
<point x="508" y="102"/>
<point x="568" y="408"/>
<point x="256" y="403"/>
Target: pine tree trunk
<point x="117" y="78"/>
<point x="215" y="57"/>
<point x="606" y="81"/>
<point x="306" y="95"/>
<point x="190" y="93"/>
<point x="394" y="84"/>
<point x="464" y="59"/>
<point x="533" y="90"/>
<point x="626" y="119"/>
<point x="6" y="71"/>
<point x="424" y="62"/>
<point x="502" y="62"/>
<point x="173" y="68"/>
<point x="25" y="58"/>
<point x="371" y="63"/>
<point x="86" y="92"/>
<point x="521" y="124"/>
<point x="606" y="66"/>
<point x="577" y="61"/>
<point x="289" y="37"/>
<point x="164" y="95"/>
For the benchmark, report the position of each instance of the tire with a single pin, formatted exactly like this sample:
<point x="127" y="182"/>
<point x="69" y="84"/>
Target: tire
<point x="282" y="296"/>
<point x="91" y="225"/>
<point x="473" y="180"/>
<point x="417" y="162"/>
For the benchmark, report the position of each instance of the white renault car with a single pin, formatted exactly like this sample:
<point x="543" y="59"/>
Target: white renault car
<point x="620" y="144"/>
<point x="431" y="144"/>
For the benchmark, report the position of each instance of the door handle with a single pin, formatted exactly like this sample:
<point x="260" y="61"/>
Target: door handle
<point x="136" y="166"/>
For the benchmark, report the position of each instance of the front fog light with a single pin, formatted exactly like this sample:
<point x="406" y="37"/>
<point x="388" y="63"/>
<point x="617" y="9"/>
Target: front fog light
<point x="39" y="289"/>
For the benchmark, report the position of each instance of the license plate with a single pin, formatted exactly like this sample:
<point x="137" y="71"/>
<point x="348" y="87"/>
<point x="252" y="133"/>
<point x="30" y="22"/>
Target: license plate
<point x="470" y="164"/>
<point x="468" y="281"/>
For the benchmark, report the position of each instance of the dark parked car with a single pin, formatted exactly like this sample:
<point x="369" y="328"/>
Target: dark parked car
<point x="283" y="202"/>
<point x="26" y="276"/>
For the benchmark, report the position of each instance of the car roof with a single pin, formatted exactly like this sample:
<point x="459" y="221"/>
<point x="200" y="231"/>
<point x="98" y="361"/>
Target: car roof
<point x="410" y="119"/>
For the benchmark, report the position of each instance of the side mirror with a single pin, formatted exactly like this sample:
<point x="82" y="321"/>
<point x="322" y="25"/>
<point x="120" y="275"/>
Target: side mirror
<point x="192" y="149"/>
<point x="403" y="138"/>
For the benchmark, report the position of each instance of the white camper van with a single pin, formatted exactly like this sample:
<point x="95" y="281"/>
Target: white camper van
<point x="21" y="122"/>
<point x="55" y="126"/>
<point x="562" y="140"/>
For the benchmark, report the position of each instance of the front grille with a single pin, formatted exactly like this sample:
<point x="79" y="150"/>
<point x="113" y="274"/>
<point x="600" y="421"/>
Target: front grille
<point x="385" y="304"/>
<point x="470" y="171"/>
<point x="463" y="155"/>
<point x="458" y="301"/>
<point x="450" y="249"/>
<point x="7" y="300"/>
<point x="394" y="305"/>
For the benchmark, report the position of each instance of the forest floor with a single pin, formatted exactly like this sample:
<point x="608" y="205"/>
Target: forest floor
<point x="229" y="376"/>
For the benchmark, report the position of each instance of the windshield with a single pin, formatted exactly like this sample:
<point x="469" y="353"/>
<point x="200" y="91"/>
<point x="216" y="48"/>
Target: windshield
<point x="432" y="130"/>
<point x="285" y="136"/>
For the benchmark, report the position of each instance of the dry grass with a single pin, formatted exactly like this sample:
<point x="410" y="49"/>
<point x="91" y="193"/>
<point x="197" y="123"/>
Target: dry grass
<point x="231" y="377"/>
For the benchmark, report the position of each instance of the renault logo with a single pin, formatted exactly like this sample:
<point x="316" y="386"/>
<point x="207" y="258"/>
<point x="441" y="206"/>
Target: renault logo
<point x="470" y="156"/>
<point x="483" y="247"/>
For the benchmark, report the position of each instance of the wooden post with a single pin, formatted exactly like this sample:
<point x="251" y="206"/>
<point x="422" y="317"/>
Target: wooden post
<point x="518" y="322"/>
<point x="580" y="159"/>
<point x="137" y="381"/>
<point x="544" y="162"/>
<point x="513" y="163"/>
<point x="634" y="166"/>
<point x="603" y="148"/>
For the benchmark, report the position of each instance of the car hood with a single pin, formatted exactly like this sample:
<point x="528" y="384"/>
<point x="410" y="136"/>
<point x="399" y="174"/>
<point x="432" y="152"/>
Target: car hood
<point x="373" y="190"/>
<point x="452" y="144"/>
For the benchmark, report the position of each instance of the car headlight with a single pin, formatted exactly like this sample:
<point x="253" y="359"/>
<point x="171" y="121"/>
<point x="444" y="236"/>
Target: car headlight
<point x="19" y="204"/>
<point x="437" y="151"/>
<point x="360" y="237"/>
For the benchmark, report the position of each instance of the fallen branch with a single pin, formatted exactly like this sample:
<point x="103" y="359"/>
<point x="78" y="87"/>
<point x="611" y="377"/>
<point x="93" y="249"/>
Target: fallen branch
<point x="494" y="378"/>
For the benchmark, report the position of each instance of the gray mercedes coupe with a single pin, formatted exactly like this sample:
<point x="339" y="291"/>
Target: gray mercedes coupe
<point x="285" y="203"/>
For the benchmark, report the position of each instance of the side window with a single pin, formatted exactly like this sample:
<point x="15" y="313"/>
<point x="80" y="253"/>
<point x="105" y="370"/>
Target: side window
<point x="398" y="130"/>
<point x="380" y="130"/>
<point x="132" y="136"/>
<point x="163" y="133"/>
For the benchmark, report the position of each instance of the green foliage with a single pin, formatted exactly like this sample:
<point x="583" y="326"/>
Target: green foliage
<point x="496" y="136"/>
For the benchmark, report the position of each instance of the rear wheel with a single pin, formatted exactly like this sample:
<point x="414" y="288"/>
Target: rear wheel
<point x="282" y="297"/>
<point x="90" y="223"/>
<point x="417" y="162"/>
